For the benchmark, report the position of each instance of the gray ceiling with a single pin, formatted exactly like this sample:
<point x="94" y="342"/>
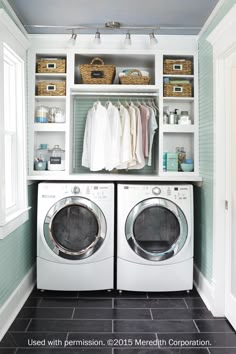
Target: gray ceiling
<point x="172" y="16"/>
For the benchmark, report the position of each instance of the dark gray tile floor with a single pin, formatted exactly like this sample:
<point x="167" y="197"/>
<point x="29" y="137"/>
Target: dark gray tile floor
<point x="113" y="323"/>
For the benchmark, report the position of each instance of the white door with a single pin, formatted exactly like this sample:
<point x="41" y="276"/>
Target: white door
<point x="230" y="250"/>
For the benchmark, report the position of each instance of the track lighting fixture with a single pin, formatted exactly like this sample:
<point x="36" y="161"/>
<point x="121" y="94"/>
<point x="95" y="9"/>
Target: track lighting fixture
<point x="97" y="39"/>
<point x="153" y="40"/>
<point x="72" y="40"/>
<point x="127" y="42"/>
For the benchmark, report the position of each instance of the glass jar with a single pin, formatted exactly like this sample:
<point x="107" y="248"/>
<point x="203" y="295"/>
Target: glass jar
<point x="56" y="159"/>
<point x="41" y="158"/>
<point x="41" y="114"/>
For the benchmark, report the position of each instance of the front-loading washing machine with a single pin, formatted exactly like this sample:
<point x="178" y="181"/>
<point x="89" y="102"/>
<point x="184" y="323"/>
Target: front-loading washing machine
<point x="75" y="236"/>
<point x="155" y="237"/>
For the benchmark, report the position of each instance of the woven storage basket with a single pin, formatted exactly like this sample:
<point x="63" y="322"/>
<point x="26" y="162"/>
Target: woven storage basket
<point x="97" y="73"/>
<point x="178" y="90"/>
<point x="53" y="65"/>
<point x="177" y="67"/>
<point x="51" y="88"/>
<point x="131" y="79"/>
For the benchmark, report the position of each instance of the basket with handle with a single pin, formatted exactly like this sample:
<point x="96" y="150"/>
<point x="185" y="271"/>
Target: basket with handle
<point x="97" y="72"/>
<point x="131" y="79"/>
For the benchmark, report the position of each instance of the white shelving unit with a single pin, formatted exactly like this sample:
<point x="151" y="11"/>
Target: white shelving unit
<point x="172" y="136"/>
<point x="63" y="134"/>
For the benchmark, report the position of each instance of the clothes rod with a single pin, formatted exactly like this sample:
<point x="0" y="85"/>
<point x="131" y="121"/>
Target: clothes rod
<point x="108" y="94"/>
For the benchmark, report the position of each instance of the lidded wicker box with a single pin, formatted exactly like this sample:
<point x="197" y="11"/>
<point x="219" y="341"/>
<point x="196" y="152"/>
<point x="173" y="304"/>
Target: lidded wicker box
<point x="178" y="66"/>
<point x="97" y="73"/>
<point x="51" y="88"/>
<point x="51" y="65"/>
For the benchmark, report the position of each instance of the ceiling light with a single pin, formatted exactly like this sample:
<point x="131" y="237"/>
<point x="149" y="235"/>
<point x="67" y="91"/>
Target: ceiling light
<point x="127" y="42"/>
<point x="153" y="40"/>
<point x="97" y="39"/>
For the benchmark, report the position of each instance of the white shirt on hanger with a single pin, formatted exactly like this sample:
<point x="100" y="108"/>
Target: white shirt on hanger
<point x="97" y="139"/>
<point x="125" y="146"/>
<point x="139" y="141"/>
<point x="116" y="134"/>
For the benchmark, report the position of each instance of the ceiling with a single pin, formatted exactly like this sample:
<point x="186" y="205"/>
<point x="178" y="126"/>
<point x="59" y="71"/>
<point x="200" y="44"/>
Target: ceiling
<point x="166" y="16"/>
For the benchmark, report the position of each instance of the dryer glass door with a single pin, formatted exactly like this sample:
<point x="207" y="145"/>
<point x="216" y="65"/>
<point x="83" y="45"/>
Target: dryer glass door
<point x="156" y="229"/>
<point x="75" y="228"/>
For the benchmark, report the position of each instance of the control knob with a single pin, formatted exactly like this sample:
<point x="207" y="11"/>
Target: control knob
<point x="75" y="190"/>
<point x="156" y="190"/>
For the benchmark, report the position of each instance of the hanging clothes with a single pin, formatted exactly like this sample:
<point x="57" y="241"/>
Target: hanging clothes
<point x="116" y="134"/>
<point x="125" y="145"/>
<point x="140" y="160"/>
<point x="97" y="138"/>
<point x="152" y="130"/>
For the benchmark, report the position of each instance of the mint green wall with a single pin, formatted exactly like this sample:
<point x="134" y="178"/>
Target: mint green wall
<point x="18" y="251"/>
<point x="204" y="195"/>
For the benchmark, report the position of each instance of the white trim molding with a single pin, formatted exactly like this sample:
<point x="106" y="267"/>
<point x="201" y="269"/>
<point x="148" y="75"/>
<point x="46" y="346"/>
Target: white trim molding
<point x="14" y="303"/>
<point x="204" y="287"/>
<point x="223" y="41"/>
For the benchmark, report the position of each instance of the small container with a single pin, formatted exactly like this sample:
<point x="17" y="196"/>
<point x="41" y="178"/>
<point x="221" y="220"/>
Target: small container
<point x="172" y="118"/>
<point x="41" y="158"/>
<point x="56" y="159"/>
<point x="172" y="161"/>
<point x="184" y="118"/>
<point x="165" y="118"/>
<point x="56" y="115"/>
<point x="41" y="114"/>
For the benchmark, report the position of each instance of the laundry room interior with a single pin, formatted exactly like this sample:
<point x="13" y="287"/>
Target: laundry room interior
<point x="117" y="213"/>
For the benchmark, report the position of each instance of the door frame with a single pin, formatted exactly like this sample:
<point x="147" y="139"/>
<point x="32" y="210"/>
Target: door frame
<point x="223" y="41"/>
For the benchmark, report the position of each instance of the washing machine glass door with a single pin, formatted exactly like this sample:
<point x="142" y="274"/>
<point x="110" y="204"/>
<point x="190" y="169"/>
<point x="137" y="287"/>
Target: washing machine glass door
<point x="156" y="229"/>
<point x="75" y="228"/>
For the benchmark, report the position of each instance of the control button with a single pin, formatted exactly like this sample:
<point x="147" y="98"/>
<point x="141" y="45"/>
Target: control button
<point x="75" y="190"/>
<point x="156" y="190"/>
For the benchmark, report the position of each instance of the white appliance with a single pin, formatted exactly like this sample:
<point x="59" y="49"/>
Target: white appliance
<point x="155" y="237"/>
<point x="75" y="236"/>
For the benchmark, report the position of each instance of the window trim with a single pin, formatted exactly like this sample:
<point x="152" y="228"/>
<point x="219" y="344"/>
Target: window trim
<point x="17" y="41"/>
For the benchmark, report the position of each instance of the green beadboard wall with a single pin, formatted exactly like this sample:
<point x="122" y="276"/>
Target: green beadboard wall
<point x="18" y="251"/>
<point x="204" y="196"/>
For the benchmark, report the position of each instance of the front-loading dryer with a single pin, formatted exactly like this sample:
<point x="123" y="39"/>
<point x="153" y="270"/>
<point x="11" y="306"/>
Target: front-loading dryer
<point x="155" y="237"/>
<point x="75" y="236"/>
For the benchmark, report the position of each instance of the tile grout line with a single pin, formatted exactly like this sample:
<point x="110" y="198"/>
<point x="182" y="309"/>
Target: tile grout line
<point x="112" y="326"/>
<point x="151" y="314"/>
<point x="208" y="350"/>
<point x="186" y="304"/>
<point x="28" y="325"/>
<point x="196" y="326"/>
<point x="73" y="313"/>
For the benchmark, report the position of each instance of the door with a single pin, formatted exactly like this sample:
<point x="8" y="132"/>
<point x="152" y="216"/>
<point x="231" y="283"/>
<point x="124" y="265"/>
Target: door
<point x="74" y="228"/>
<point x="230" y="252"/>
<point x="156" y="229"/>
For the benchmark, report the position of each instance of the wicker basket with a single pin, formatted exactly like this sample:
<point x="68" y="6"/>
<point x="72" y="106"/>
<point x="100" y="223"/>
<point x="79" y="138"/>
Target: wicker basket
<point x="51" y="88"/>
<point x="178" y="90"/>
<point x="130" y="79"/>
<point x="97" y="73"/>
<point x="177" y="67"/>
<point x="51" y="65"/>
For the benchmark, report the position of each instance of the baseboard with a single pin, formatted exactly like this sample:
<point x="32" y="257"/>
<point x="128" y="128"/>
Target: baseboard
<point x="13" y="305"/>
<point x="204" y="287"/>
